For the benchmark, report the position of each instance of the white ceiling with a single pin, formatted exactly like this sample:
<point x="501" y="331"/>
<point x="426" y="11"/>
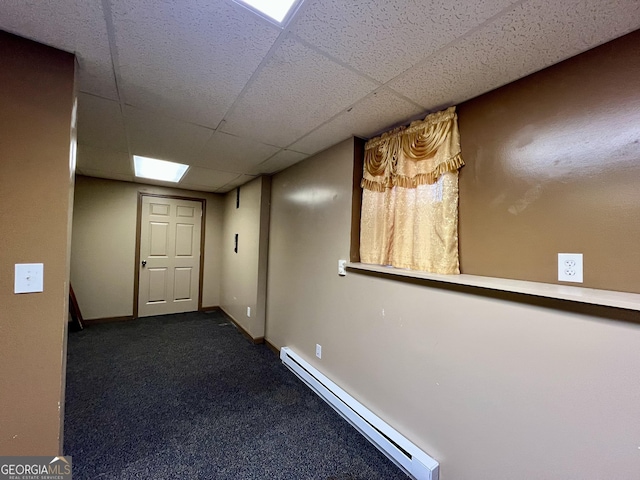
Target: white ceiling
<point x="210" y="84"/>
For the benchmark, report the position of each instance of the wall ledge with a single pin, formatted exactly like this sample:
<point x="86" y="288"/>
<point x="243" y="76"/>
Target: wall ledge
<point x="608" y="298"/>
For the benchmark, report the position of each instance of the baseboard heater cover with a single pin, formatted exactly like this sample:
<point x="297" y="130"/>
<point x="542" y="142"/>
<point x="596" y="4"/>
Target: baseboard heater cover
<point x="409" y="458"/>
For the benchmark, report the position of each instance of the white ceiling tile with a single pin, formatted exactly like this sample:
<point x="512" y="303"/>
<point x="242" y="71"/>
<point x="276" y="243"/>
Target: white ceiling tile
<point x="75" y="26"/>
<point x="324" y="137"/>
<point x="233" y="154"/>
<point x="100" y="123"/>
<point x="297" y="90"/>
<point x="107" y="174"/>
<point x="383" y="39"/>
<point x="96" y="77"/>
<point x="103" y="159"/>
<point x="238" y="182"/>
<point x="206" y="178"/>
<point x="198" y="188"/>
<point x="532" y="36"/>
<point x="189" y="58"/>
<point x="157" y="136"/>
<point x="182" y="66"/>
<point x="381" y="110"/>
<point x="280" y="161"/>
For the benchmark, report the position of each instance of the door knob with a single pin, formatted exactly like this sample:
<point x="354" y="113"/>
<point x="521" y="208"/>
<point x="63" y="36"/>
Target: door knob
<point x="144" y="262"/>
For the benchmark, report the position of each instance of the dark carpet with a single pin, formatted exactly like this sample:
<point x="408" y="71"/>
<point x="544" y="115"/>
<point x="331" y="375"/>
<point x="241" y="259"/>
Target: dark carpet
<point x="187" y="396"/>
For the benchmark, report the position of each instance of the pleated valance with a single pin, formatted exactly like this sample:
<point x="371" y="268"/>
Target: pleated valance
<point x="415" y="155"/>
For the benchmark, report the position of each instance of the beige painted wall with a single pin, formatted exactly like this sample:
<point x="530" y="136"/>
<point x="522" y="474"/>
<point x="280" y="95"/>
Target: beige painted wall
<point x="553" y="162"/>
<point x="36" y="187"/>
<point x="244" y="273"/>
<point x="494" y="387"/>
<point x="103" y="245"/>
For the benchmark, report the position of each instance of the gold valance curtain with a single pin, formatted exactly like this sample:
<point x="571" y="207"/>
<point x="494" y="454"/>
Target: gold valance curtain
<point x="409" y="215"/>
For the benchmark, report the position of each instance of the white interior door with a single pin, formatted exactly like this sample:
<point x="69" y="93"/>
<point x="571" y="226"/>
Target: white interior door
<point x="169" y="279"/>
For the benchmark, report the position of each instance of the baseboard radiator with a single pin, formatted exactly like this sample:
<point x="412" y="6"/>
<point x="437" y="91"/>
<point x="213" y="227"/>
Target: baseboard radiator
<point x="413" y="461"/>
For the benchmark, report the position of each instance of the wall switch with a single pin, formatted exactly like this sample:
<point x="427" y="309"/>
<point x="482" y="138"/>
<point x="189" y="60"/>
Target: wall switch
<point x="29" y="278"/>
<point x="342" y="267"/>
<point x="570" y="267"/>
<point x="318" y="351"/>
<point x="248" y="311"/>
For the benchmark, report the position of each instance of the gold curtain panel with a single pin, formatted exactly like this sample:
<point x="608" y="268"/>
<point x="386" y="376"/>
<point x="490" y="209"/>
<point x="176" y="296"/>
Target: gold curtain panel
<point x="415" y="155"/>
<point x="409" y="215"/>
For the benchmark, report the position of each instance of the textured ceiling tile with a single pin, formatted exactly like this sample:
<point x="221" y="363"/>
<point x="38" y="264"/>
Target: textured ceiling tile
<point x="189" y="58"/>
<point x="75" y="26"/>
<point x="297" y="90"/>
<point x="383" y="39"/>
<point x="157" y="136"/>
<point x="280" y="161"/>
<point x="103" y="160"/>
<point x="532" y="36"/>
<point x="207" y="178"/>
<point x="237" y="182"/>
<point x="233" y="154"/>
<point x="378" y="112"/>
<point x="198" y="188"/>
<point x="100" y="123"/>
<point x="107" y="174"/>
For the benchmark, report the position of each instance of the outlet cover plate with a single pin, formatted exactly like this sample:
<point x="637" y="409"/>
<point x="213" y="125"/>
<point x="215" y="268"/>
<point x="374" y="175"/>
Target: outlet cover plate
<point x="570" y="267"/>
<point x="318" y="350"/>
<point x="342" y="267"/>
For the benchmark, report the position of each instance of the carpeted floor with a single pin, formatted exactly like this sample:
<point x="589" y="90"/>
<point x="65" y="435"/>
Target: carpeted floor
<point x="187" y="396"/>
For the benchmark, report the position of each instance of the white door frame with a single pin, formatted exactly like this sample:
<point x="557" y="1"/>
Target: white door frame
<point x="136" y="280"/>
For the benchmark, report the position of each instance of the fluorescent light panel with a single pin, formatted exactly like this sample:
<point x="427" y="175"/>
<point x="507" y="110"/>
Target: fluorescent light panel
<point x="155" y="169"/>
<point x="274" y="9"/>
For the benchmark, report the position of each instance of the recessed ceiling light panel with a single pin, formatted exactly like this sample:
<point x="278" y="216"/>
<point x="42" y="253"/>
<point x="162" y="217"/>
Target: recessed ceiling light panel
<point x="155" y="169"/>
<point x="274" y="10"/>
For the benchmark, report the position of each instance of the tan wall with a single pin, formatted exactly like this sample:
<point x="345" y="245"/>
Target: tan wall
<point x="103" y="245"/>
<point x="36" y="183"/>
<point x="244" y="273"/>
<point x="553" y="163"/>
<point x="496" y="387"/>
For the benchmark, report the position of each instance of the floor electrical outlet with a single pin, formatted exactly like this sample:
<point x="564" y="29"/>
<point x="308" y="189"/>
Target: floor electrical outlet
<point x="570" y="267"/>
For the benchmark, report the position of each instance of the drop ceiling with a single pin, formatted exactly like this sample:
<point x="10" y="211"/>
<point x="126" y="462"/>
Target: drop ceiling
<point x="213" y="85"/>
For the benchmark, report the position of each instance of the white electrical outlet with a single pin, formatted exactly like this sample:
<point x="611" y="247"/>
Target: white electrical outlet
<point x="318" y="351"/>
<point x="570" y="267"/>
<point x="248" y="311"/>
<point x="342" y="267"/>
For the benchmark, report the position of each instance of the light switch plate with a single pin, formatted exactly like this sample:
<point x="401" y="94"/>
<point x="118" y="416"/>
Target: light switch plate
<point x="29" y="278"/>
